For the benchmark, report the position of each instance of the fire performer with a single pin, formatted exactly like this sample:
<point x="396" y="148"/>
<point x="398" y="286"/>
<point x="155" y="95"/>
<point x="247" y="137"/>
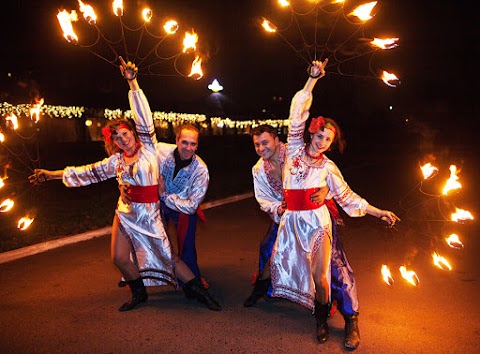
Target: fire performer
<point x="140" y="246"/>
<point x="301" y="256"/>
<point x="185" y="174"/>
<point x="267" y="181"/>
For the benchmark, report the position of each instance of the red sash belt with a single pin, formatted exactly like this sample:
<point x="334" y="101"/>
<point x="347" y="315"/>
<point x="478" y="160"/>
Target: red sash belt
<point x="143" y="194"/>
<point x="299" y="199"/>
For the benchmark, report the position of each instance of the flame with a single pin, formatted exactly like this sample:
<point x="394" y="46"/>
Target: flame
<point x="117" y="6"/>
<point x="35" y="111"/>
<point x="387" y="43"/>
<point x="65" y="19"/>
<point x="215" y="86"/>
<point x="13" y="121"/>
<point x="2" y="183"/>
<point x="452" y="182"/>
<point x="88" y="13"/>
<point x="461" y="215"/>
<point x="363" y="11"/>
<point x="387" y="77"/>
<point x="387" y="275"/>
<point x="147" y="14"/>
<point x="454" y="241"/>
<point x="2" y="137"/>
<point x="171" y="26"/>
<point x="428" y="170"/>
<point x="190" y="41"/>
<point x="441" y="262"/>
<point x="24" y="222"/>
<point x="409" y="275"/>
<point x="283" y="3"/>
<point x="6" y="205"/>
<point x="268" y="26"/>
<point x="196" y="68"/>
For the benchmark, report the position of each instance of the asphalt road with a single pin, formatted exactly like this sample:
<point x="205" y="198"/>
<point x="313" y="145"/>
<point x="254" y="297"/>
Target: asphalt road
<point x="65" y="300"/>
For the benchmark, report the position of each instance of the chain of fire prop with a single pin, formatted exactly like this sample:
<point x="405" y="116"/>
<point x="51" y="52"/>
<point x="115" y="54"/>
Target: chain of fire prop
<point x="316" y="30"/>
<point x="151" y="50"/>
<point x="423" y="211"/>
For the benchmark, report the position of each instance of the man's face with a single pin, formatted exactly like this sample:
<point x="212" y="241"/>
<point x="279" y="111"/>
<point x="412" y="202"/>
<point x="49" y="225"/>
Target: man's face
<point x="265" y="145"/>
<point x="187" y="143"/>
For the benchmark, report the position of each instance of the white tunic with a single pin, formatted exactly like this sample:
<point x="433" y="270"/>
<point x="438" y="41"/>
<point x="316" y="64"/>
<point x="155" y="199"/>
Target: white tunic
<point x="300" y="232"/>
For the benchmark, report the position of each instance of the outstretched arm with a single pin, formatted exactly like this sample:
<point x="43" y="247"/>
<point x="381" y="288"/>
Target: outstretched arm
<point x="39" y="176"/>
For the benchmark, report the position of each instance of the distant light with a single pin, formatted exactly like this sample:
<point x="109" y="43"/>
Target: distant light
<point x="88" y="122"/>
<point x="215" y="86"/>
<point x="9" y="74"/>
<point x="390" y="107"/>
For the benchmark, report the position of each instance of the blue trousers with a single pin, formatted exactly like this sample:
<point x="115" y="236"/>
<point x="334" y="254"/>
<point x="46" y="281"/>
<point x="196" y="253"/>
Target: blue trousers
<point x="344" y="289"/>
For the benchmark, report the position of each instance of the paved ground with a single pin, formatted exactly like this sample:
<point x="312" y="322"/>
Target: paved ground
<point x="65" y="300"/>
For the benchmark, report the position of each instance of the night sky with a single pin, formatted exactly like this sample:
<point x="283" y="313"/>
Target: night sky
<point x="436" y="62"/>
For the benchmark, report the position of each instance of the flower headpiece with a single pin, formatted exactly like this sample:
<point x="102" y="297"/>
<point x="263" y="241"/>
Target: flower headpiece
<point x="108" y="131"/>
<point x="319" y="124"/>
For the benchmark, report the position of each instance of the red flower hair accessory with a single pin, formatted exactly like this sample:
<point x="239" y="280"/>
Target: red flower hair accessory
<point x="316" y="124"/>
<point x="107" y="133"/>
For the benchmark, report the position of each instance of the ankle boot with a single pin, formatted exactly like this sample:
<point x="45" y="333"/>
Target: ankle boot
<point x="322" y="312"/>
<point x="196" y="288"/>
<point x="139" y="294"/>
<point x="352" y="333"/>
<point x="259" y="290"/>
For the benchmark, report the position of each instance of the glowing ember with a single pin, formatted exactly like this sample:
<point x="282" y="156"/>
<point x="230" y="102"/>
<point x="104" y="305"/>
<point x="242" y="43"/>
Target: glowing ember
<point x="12" y="120"/>
<point x="24" y="223"/>
<point x="190" y="41"/>
<point x="268" y="26"/>
<point x="387" y="77"/>
<point x="387" y="275"/>
<point x="88" y="13"/>
<point x="171" y="26"/>
<point x="363" y="11"/>
<point x="117" y="6"/>
<point x="409" y="275"/>
<point x="452" y="182"/>
<point x="428" y="170"/>
<point x="65" y="19"/>
<point x="454" y="241"/>
<point x="387" y="43"/>
<point x="147" y="14"/>
<point x="6" y="205"/>
<point x="441" y="262"/>
<point x="461" y="215"/>
<point x="196" y="68"/>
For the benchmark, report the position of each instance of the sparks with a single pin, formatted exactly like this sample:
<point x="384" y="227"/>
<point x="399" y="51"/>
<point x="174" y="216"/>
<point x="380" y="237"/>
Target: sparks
<point x="441" y="262"/>
<point x="409" y="275"/>
<point x="428" y="170"/>
<point x="452" y="182"/>
<point x="454" y="241"/>
<point x="387" y="275"/>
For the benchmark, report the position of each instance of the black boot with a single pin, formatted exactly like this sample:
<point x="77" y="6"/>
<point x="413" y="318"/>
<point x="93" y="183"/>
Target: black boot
<point x="196" y="287"/>
<point x="139" y="294"/>
<point x="322" y="312"/>
<point x="259" y="290"/>
<point x="352" y="334"/>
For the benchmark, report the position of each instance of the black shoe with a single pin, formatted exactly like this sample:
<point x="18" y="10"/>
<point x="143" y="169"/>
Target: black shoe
<point x="322" y="312"/>
<point x="139" y="295"/>
<point x="352" y="333"/>
<point x="260" y="289"/>
<point x="196" y="288"/>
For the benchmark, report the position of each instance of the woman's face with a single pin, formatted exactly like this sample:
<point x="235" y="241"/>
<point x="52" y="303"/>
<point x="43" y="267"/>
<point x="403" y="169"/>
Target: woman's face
<point x="124" y="139"/>
<point x="322" y="140"/>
